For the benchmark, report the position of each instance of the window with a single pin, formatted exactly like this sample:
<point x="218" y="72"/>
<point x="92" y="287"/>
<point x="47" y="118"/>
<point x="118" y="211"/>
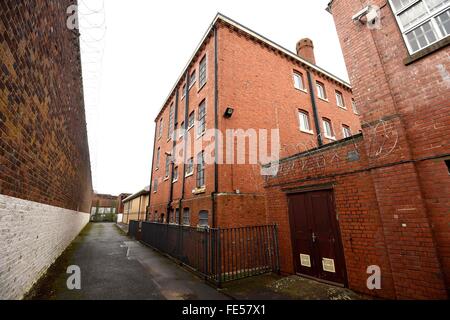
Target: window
<point x="202" y="72"/>
<point x="181" y="130"/>
<point x="201" y="118"/>
<point x="340" y="99"/>
<point x="186" y="217"/>
<point x="447" y="163"/>
<point x="203" y="219"/>
<point x="167" y="166"/>
<point x="423" y="22"/>
<point x="93" y="210"/>
<point x="346" y="132"/>
<point x="304" y="121"/>
<point x="192" y="79"/>
<point x="183" y="91"/>
<point x="161" y="124"/>
<point x="171" y="122"/>
<point x="355" y="110"/>
<point x="177" y="216"/>
<point x="161" y="218"/>
<point x="175" y="174"/>
<point x="189" y="167"/>
<point x="328" y="129"/>
<point x="298" y="81"/>
<point x="158" y="156"/>
<point x="191" y="120"/>
<point x="200" y="170"/>
<point x="321" y="90"/>
<point x="155" y="186"/>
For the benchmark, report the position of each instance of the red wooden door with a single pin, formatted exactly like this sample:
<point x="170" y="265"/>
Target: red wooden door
<point x="315" y="236"/>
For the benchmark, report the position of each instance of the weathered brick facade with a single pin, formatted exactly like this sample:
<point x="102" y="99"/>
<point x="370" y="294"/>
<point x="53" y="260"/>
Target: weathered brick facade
<point x="390" y="184"/>
<point x="253" y="76"/>
<point x="45" y="174"/>
<point x="44" y="153"/>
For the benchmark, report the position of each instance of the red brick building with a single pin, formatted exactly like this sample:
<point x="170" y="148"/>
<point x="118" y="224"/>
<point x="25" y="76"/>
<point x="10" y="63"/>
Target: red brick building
<point x="380" y="198"/>
<point x="238" y="79"/>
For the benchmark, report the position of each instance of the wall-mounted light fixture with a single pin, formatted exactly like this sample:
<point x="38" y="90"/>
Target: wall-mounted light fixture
<point x="228" y="112"/>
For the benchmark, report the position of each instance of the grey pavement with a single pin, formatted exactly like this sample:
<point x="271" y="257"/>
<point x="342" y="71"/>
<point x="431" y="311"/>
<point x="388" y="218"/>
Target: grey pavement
<point x="115" y="267"/>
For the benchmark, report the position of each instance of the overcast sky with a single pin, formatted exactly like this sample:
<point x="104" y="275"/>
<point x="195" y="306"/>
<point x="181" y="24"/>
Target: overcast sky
<point x="133" y="51"/>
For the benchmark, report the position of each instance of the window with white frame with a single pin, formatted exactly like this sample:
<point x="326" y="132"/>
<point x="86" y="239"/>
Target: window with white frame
<point x="355" y="109"/>
<point x="183" y="91"/>
<point x="321" y="90"/>
<point x="304" y="121"/>
<point x="181" y="130"/>
<point x="191" y="120"/>
<point x="167" y="167"/>
<point x="171" y="121"/>
<point x="177" y="216"/>
<point x="161" y="124"/>
<point x="422" y="22"/>
<point x="158" y="156"/>
<point x="202" y="72"/>
<point x="186" y="217"/>
<point x="328" y="128"/>
<point x="340" y="99"/>
<point x="298" y="81"/>
<point x="203" y="219"/>
<point x="175" y="174"/>
<point x="155" y="185"/>
<point x="201" y="170"/>
<point x="201" y="118"/>
<point x="346" y="132"/>
<point x="189" y="167"/>
<point x="192" y="79"/>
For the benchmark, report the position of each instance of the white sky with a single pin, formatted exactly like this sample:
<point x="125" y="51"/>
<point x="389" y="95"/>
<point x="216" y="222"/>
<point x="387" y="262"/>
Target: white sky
<point x="130" y="67"/>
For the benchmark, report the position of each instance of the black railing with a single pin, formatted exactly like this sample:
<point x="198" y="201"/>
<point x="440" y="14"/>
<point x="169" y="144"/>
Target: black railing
<point x="216" y="254"/>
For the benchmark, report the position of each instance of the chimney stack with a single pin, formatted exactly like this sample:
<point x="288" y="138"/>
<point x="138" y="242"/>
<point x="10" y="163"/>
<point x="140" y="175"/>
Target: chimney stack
<point x="305" y="50"/>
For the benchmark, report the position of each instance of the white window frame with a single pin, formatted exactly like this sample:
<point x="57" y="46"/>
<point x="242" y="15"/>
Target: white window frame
<point x="175" y="174"/>
<point x="299" y="75"/>
<point x="193" y="122"/>
<point x="190" y="172"/>
<point x="201" y="85"/>
<point x="339" y="94"/>
<point x="301" y="114"/>
<point x="354" y="107"/>
<point x="331" y="137"/>
<point x="344" y="130"/>
<point x="321" y="84"/>
<point x="429" y="17"/>
<point x="191" y="83"/>
<point x="201" y="121"/>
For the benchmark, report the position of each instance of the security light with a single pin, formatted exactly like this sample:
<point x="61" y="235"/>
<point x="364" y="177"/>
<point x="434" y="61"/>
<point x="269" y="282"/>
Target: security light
<point x="228" y="112"/>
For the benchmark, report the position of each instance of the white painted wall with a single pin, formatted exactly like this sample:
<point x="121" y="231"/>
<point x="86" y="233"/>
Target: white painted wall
<point x="32" y="236"/>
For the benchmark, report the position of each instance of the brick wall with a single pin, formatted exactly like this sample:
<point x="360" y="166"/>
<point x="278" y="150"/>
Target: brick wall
<point x="32" y="236"/>
<point x="413" y="98"/>
<point x="44" y="153"/>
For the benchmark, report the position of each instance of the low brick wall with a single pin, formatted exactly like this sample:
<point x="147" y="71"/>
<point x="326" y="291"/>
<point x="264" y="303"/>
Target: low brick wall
<point x="32" y="237"/>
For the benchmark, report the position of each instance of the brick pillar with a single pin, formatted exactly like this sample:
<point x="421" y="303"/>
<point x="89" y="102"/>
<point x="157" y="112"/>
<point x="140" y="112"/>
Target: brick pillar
<point x="416" y="271"/>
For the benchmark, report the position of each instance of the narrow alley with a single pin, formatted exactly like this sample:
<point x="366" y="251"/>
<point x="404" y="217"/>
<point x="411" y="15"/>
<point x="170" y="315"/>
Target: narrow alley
<point x="116" y="267"/>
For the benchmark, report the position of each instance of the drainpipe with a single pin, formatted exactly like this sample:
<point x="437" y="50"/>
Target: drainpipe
<point x="174" y="143"/>
<point x="216" y="126"/>
<point x="186" y="119"/>
<point x="153" y="163"/>
<point x="314" y="107"/>
<point x="139" y="208"/>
